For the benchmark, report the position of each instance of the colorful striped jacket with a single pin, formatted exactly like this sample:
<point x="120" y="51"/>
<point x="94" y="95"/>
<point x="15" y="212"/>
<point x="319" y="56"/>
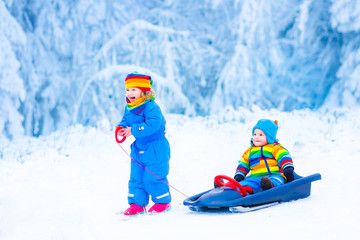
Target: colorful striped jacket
<point x="268" y="159"/>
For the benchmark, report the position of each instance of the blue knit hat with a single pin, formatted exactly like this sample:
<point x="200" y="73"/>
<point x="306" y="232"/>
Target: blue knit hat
<point x="269" y="127"/>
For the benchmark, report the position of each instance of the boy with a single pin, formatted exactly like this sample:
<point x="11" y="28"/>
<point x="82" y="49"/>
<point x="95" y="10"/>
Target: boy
<point x="269" y="162"/>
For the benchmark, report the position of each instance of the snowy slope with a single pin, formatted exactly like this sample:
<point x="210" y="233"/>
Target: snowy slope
<point x="71" y="185"/>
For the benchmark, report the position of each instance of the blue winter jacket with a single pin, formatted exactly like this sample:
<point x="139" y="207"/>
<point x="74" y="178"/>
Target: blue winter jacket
<point x="146" y="121"/>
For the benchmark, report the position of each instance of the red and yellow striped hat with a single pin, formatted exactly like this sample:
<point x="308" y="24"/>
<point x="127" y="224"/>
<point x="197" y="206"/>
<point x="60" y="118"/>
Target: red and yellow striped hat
<point x="137" y="80"/>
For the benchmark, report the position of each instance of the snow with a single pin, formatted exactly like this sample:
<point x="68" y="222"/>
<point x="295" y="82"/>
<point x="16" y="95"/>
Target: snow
<point x="72" y="184"/>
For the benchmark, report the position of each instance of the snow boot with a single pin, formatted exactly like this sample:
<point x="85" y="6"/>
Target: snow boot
<point x="134" y="210"/>
<point x="215" y="184"/>
<point x="266" y="183"/>
<point x="160" y="208"/>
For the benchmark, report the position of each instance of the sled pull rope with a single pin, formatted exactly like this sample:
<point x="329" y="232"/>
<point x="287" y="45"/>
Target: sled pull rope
<point x="151" y="172"/>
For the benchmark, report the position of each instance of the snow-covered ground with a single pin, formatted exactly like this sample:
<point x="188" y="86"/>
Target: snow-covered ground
<point x="71" y="184"/>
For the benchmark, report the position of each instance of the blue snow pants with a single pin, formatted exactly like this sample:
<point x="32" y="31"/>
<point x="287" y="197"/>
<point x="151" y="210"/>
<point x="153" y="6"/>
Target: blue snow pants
<point x="254" y="182"/>
<point x="154" y="156"/>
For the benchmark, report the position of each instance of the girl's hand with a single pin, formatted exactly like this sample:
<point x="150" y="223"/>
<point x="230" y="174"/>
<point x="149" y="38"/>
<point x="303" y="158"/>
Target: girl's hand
<point x="125" y="132"/>
<point x="118" y="135"/>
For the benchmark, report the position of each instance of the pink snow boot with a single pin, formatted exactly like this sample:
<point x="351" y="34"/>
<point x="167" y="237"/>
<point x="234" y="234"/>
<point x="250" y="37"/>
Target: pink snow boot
<point x="134" y="210"/>
<point x="159" y="208"/>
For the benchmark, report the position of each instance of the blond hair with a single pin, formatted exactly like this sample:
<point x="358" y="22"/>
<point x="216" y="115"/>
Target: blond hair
<point x="148" y="95"/>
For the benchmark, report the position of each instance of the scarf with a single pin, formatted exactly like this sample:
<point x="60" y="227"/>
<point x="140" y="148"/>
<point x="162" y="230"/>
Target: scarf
<point x="138" y="102"/>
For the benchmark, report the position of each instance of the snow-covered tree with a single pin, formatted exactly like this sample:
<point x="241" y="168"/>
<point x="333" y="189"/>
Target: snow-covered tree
<point x="345" y="18"/>
<point x="64" y="61"/>
<point x="12" y="92"/>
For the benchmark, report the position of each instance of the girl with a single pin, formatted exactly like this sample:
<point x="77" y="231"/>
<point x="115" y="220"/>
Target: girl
<point x="151" y="150"/>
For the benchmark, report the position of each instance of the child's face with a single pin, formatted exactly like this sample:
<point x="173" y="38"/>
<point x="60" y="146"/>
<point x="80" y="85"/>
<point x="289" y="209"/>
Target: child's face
<point x="259" y="138"/>
<point x="133" y="94"/>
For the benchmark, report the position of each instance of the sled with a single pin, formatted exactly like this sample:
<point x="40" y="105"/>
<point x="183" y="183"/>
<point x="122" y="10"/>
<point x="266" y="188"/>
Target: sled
<point x="230" y="199"/>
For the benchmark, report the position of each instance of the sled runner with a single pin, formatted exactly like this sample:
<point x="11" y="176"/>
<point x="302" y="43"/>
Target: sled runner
<point x="231" y="198"/>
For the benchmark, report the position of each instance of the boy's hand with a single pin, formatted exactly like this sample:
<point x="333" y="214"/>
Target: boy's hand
<point x="238" y="177"/>
<point x="289" y="174"/>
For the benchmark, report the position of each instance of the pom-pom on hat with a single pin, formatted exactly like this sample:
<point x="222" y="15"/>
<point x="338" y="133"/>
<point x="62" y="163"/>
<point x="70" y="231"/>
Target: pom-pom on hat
<point x="137" y="80"/>
<point x="269" y="127"/>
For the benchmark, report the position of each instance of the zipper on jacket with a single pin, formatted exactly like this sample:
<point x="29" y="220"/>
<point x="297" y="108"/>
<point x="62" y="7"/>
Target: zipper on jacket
<point x="266" y="163"/>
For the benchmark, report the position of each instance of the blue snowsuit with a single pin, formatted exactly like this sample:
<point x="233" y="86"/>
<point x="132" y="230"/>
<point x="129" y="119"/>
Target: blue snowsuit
<point x="152" y="150"/>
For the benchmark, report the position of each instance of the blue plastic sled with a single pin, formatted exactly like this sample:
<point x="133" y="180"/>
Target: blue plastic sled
<point x="227" y="199"/>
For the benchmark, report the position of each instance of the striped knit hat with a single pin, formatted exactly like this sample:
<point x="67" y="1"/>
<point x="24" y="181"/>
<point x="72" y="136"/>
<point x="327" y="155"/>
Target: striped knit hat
<point x="136" y="80"/>
<point x="269" y="127"/>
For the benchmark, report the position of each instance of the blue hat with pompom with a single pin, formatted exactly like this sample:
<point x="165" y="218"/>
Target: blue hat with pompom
<point x="269" y="127"/>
